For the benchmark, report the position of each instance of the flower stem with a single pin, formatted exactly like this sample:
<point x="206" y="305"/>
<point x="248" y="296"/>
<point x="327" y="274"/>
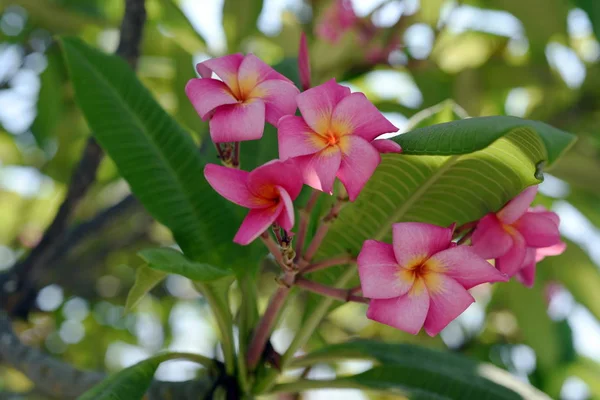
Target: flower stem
<point x="235" y="158"/>
<point x="304" y="220"/>
<point x="332" y="262"/>
<point x="265" y="326"/>
<point x="328" y="291"/>
<point x="274" y="249"/>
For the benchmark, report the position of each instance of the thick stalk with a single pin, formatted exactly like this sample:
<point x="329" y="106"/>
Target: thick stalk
<point x="328" y="291"/>
<point x="307" y="384"/>
<point x="332" y="262"/>
<point x="274" y="249"/>
<point x="326" y="222"/>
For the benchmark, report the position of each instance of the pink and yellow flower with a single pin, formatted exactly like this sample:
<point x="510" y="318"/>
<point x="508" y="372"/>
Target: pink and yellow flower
<point x="421" y="279"/>
<point x="336" y="136"/>
<point x="517" y="237"/>
<point x="248" y="93"/>
<point x="268" y="191"/>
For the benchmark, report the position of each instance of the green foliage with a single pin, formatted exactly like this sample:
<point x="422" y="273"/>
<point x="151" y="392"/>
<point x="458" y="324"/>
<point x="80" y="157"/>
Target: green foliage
<point x="174" y="262"/>
<point x="154" y="154"/>
<point x="128" y="384"/>
<point x="239" y="20"/>
<point x="145" y="280"/>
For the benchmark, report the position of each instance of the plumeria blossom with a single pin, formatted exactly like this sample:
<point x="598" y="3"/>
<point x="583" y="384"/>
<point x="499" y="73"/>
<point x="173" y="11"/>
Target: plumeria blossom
<point x="517" y="236"/>
<point x="248" y="93"/>
<point x="304" y="63"/>
<point x="336" y="20"/>
<point x="422" y="278"/>
<point x="268" y="191"/>
<point x="336" y="136"/>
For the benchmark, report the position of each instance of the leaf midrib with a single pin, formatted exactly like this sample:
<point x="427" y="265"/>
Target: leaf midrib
<point x="139" y="123"/>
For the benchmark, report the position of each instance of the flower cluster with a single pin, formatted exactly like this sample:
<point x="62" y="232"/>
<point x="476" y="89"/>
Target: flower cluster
<point x="421" y="279"/>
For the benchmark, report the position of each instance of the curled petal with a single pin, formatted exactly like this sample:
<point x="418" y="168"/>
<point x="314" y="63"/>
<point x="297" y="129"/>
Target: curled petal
<point x="514" y="209"/>
<point x="279" y="97"/>
<point x="407" y="312"/>
<point x="526" y="274"/>
<point x="512" y="261"/>
<point x="286" y="174"/>
<point x="379" y="272"/>
<point x="359" y="162"/>
<point x="538" y="230"/>
<point x="256" y="222"/>
<point x="231" y="184"/>
<point x="555" y="250"/>
<point x="467" y="268"/>
<point x="317" y="104"/>
<point x="489" y="239"/>
<point x="448" y="299"/>
<point x="357" y="115"/>
<point x="238" y="122"/>
<point x="297" y="139"/>
<point x="386" y="146"/>
<point x="541" y="210"/>
<point x="286" y="218"/>
<point x="208" y="94"/>
<point x="304" y="63"/>
<point x="319" y="170"/>
<point x="417" y="241"/>
<point x="225" y="67"/>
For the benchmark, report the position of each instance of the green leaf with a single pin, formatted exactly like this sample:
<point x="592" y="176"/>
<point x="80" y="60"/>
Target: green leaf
<point x="128" y="384"/>
<point x="172" y="261"/>
<point x="173" y="21"/>
<point x="155" y="155"/>
<point x="145" y="280"/>
<point x="239" y="20"/>
<point x="422" y="372"/>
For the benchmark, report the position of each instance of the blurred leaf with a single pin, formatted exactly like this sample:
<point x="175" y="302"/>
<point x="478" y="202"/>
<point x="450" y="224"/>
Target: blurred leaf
<point x="175" y="23"/>
<point x="423" y="372"/>
<point x="128" y="384"/>
<point x="155" y="155"/>
<point x="174" y="262"/>
<point x="592" y="8"/>
<point x="145" y="280"/>
<point x="239" y="20"/>
<point x="444" y="112"/>
<point x="50" y="103"/>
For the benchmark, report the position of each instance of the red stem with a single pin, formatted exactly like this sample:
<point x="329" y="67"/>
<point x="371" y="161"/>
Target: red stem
<point x="341" y="260"/>
<point x="327" y="291"/>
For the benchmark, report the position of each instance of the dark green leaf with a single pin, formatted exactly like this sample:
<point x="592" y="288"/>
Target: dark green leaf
<point x="174" y="262"/>
<point x="145" y="280"/>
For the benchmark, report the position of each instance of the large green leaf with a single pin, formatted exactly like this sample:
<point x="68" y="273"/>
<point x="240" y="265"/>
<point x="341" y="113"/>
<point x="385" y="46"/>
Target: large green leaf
<point x="155" y="155"/>
<point x="174" y="262"/>
<point x="421" y="372"/>
<point x="128" y="384"/>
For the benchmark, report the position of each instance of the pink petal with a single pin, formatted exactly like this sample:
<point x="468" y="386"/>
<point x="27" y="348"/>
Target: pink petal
<point x="207" y="94"/>
<point x="379" y="272"/>
<point x="225" y="67"/>
<point x="512" y="261"/>
<point x="286" y="218"/>
<point x="256" y="222"/>
<point x="386" y="146"/>
<point x="253" y="71"/>
<point x="527" y="273"/>
<point x="319" y="170"/>
<point x="489" y="239"/>
<point x="263" y="180"/>
<point x="538" y="230"/>
<point x="541" y="210"/>
<point x="357" y="115"/>
<point x="359" y="161"/>
<point x="463" y="265"/>
<point x="448" y="299"/>
<point x="417" y="241"/>
<point x="407" y="312"/>
<point x="296" y="138"/>
<point x="555" y="250"/>
<point x="238" y="122"/>
<point x="304" y="63"/>
<point x="279" y="97"/>
<point x="317" y="104"/>
<point x="231" y="184"/>
<point x="514" y="209"/>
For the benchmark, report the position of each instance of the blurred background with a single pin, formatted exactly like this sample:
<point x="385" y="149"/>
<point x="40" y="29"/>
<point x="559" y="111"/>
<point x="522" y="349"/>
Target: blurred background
<point x="537" y="59"/>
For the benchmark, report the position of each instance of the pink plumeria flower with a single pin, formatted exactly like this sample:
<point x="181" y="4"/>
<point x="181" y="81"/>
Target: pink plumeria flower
<point x="335" y="137"/>
<point x="513" y="236"/>
<point x="268" y="191"/>
<point x="248" y="93"/>
<point x="336" y="20"/>
<point x="421" y="279"/>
